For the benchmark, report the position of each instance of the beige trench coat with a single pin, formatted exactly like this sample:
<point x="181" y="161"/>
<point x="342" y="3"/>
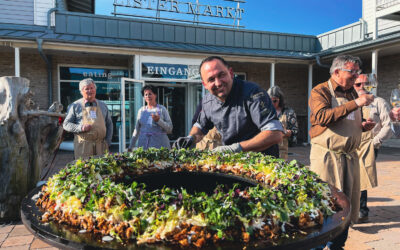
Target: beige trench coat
<point x="334" y="157"/>
<point x="91" y="142"/>
<point x="366" y="154"/>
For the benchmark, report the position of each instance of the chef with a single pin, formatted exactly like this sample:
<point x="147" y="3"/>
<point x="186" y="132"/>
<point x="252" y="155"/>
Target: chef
<point x="241" y="111"/>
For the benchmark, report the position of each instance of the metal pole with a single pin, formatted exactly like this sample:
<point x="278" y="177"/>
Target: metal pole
<point x="272" y="80"/>
<point x="123" y="132"/>
<point x="310" y="79"/>
<point x="374" y="62"/>
<point x="375" y="21"/>
<point x="17" y="62"/>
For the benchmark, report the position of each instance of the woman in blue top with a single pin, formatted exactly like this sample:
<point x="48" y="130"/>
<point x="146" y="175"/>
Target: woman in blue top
<point x="153" y="123"/>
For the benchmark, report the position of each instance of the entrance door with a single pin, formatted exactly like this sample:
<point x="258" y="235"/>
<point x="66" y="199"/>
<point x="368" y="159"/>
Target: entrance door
<point x="131" y="101"/>
<point x="173" y="98"/>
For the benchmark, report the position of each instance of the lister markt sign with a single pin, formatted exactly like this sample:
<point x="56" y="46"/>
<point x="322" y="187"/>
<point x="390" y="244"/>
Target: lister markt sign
<point x="209" y="9"/>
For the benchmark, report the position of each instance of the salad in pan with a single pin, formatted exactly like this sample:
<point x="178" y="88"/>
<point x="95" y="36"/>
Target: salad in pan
<point x="98" y="196"/>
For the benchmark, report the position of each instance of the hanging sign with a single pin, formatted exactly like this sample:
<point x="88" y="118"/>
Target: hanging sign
<point x="170" y="71"/>
<point x="195" y="8"/>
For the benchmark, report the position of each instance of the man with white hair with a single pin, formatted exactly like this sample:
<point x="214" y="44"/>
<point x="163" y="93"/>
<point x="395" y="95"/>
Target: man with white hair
<point x="371" y="140"/>
<point x="90" y="121"/>
<point x="336" y="127"/>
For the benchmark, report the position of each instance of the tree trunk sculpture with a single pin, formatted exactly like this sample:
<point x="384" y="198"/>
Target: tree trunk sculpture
<point x="28" y="140"/>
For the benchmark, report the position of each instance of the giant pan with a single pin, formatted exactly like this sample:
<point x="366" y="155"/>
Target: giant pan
<point x="63" y="236"/>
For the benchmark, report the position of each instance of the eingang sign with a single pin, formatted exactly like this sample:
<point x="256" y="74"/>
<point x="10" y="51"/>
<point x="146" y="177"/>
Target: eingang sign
<point x="170" y="71"/>
<point x="195" y="8"/>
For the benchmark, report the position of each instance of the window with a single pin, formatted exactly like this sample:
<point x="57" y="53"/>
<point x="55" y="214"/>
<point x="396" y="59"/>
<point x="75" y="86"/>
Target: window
<point x="240" y="75"/>
<point x="108" y="88"/>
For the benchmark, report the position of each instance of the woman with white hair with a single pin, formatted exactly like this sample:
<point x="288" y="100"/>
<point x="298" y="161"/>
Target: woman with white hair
<point x="90" y="122"/>
<point x="288" y="119"/>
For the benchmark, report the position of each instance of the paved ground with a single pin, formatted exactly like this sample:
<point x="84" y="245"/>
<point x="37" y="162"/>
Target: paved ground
<point x="382" y="231"/>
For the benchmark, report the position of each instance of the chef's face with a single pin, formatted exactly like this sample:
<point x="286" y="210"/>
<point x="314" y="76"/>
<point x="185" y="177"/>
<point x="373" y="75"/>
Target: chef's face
<point x="217" y="78"/>
<point x="89" y="92"/>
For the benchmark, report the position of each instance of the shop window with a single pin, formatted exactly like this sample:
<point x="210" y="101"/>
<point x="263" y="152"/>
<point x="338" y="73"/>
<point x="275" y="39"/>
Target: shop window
<point x="108" y="89"/>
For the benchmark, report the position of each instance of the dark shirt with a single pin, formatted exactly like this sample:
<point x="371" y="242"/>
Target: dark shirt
<point x="247" y="111"/>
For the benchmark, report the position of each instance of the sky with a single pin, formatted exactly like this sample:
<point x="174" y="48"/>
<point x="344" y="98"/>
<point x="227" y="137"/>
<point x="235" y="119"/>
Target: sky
<point x="307" y="17"/>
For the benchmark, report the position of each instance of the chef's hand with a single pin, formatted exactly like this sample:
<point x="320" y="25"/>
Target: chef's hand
<point x="184" y="142"/>
<point x="86" y="127"/>
<point x="234" y="148"/>
<point x="368" y="125"/>
<point x="288" y="133"/>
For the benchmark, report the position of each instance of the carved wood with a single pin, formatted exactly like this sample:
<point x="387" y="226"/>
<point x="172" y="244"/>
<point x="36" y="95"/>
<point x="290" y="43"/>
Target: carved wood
<point x="28" y="140"/>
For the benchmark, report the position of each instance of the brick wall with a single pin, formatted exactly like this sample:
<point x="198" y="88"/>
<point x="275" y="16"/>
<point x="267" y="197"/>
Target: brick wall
<point x="388" y="74"/>
<point x="256" y="72"/>
<point x="291" y="78"/>
<point x="33" y="68"/>
<point x="86" y="60"/>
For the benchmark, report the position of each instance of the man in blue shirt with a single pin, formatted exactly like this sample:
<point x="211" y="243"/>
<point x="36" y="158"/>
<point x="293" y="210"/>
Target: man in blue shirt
<point x="241" y="111"/>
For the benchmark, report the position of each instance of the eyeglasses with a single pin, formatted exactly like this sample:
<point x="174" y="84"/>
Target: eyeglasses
<point x="275" y="101"/>
<point x="359" y="84"/>
<point x="353" y="72"/>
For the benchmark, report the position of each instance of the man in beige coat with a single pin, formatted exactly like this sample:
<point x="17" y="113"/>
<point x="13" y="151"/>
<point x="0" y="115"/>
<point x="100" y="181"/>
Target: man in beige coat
<point x="336" y="127"/>
<point x="371" y="140"/>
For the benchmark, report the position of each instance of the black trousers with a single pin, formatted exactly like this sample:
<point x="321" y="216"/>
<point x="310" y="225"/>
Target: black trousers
<point x="340" y="240"/>
<point x="364" y="210"/>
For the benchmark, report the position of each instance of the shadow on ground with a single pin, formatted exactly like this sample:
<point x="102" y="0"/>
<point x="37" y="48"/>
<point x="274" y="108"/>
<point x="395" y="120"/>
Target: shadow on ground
<point x="380" y="218"/>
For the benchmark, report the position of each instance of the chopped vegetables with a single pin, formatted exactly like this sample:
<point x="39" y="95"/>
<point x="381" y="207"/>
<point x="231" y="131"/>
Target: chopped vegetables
<point x="96" y="196"/>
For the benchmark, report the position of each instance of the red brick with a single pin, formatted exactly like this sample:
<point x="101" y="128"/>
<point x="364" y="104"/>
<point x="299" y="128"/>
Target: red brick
<point x="17" y="241"/>
<point x="48" y="248"/>
<point x="24" y="247"/>
<point x="3" y="237"/>
<point x="37" y="243"/>
<point x="19" y="230"/>
<point x="6" y="229"/>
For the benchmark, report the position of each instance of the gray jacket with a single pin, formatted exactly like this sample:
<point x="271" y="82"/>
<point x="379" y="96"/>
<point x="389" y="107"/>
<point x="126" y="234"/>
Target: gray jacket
<point x="73" y="120"/>
<point x="380" y="114"/>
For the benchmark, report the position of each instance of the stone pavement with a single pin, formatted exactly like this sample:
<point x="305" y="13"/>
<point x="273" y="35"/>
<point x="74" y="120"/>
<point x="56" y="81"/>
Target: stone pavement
<point x="382" y="231"/>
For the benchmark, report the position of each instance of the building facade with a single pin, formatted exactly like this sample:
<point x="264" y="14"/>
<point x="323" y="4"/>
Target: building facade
<point x="55" y="44"/>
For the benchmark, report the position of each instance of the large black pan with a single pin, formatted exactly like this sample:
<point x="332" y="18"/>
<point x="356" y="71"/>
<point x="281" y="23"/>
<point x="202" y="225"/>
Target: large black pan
<point x="63" y="236"/>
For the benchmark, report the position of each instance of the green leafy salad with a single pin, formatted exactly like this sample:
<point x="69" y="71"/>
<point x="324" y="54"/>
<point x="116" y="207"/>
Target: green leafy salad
<point x="98" y="195"/>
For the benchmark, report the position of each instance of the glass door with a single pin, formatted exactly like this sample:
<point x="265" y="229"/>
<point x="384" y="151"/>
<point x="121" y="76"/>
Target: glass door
<point x="173" y="97"/>
<point x="131" y="101"/>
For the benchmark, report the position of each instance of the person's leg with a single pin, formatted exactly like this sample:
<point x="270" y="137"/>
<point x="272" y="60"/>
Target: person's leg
<point x="364" y="210"/>
<point x="338" y="242"/>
